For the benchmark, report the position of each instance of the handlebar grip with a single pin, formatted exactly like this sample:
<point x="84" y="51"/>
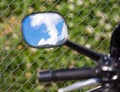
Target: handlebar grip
<point x="66" y="74"/>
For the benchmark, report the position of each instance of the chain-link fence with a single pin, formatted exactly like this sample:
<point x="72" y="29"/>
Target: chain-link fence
<point x="90" y="23"/>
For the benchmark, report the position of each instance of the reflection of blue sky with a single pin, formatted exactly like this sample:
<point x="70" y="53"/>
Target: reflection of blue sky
<point x="40" y="30"/>
<point x="59" y="27"/>
<point x="34" y="34"/>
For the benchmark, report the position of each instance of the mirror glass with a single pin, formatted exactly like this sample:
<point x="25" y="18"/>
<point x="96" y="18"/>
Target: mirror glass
<point x="44" y="29"/>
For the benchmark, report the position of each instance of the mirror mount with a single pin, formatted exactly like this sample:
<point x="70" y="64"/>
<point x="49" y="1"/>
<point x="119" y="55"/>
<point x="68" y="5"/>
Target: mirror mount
<point x="115" y="43"/>
<point x="85" y="51"/>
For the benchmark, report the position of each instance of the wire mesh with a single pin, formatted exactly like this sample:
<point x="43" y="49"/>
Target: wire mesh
<point x="90" y="23"/>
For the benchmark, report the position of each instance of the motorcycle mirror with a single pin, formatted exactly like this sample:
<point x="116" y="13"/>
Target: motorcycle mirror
<point x="43" y="30"/>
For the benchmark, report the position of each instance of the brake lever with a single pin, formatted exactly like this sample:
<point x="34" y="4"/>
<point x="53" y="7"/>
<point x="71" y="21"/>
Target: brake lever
<point x="96" y="89"/>
<point x="80" y="85"/>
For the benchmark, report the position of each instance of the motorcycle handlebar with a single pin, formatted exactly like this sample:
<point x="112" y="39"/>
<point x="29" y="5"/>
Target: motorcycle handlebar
<point x="66" y="74"/>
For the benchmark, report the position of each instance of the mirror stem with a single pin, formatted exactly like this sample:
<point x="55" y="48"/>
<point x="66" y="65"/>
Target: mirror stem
<point x="83" y="50"/>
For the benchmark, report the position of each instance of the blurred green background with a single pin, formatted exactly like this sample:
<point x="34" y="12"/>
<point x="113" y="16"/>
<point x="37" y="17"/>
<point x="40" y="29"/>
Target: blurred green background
<point x="90" y="23"/>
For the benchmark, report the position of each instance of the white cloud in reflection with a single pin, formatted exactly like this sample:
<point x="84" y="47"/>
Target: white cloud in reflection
<point x="50" y="20"/>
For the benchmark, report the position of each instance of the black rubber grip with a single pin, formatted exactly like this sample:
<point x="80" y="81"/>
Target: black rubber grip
<point x="66" y="74"/>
